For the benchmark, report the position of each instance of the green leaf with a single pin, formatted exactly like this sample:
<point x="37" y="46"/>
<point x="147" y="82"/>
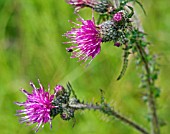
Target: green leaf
<point x="132" y="11"/>
<point x="102" y="17"/>
<point x="154" y="76"/>
<point x="162" y="122"/>
<point x="125" y="64"/>
<point x="141" y="6"/>
<point x="99" y="19"/>
<point x="69" y="87"/>
<point x="157" y="92"/>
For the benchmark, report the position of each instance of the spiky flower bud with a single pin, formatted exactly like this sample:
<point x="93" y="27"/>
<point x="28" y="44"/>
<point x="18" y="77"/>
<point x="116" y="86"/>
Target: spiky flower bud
<point x="61" y="102"/>
<point x="118" y="16"/>
<point x="108" y="31"/>
<point x="111" y="31"/>
<point x="58" y="89"/>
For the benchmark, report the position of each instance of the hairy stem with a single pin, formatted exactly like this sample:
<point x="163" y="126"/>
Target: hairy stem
<point x="144" y="52"/>
<point x="151" y="100"/>
<point x="109" y="111"/>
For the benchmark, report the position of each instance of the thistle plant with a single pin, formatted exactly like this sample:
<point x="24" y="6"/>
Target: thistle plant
<point x="118" y="24"/>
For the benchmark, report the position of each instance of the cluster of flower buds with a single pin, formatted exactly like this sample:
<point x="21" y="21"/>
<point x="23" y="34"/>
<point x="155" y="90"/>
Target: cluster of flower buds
<point x="61" y="103"/>
<point x="89" y="36"/>
<point x="41" y="107"/>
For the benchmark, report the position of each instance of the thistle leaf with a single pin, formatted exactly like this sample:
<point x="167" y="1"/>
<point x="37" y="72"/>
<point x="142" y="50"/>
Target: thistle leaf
<point x="125" y="64"/>
<point x="132" y="12"/>
<point x="69" y="87"/>
<point x="141" y="6"/>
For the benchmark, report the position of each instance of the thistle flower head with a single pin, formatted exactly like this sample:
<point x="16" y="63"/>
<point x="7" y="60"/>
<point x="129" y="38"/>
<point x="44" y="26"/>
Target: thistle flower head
<point x="36" y="108"/>
<point x="88" y="40"/>
<point x="100" y="6"/>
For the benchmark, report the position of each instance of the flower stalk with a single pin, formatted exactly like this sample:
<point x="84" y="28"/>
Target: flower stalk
<point x="106" y="109"/>
<point x="151" y="99"/>
<point x="144" y="53"/>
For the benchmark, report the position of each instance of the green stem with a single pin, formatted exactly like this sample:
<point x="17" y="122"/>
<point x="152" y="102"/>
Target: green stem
<point x="155" y="128"/>
<point x="109" y="111"/>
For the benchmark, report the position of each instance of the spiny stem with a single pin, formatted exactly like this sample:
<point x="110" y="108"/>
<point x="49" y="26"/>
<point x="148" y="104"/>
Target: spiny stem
<point x="151" y="100"/>
<point x="109" y="111"/>
<point x="155" y="128"/>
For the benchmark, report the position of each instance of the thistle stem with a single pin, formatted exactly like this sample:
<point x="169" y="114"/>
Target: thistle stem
<point x="151" y="100"/>
<point x="109" y="111"/>
<point x="144" y="52"/>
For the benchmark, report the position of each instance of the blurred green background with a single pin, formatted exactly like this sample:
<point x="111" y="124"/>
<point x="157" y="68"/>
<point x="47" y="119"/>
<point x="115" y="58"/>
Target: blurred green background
<point x="31" y="48"/>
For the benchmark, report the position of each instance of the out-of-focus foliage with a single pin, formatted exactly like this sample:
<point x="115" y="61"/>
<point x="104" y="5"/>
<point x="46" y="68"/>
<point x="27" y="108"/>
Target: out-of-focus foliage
<point x="31" y="48"/>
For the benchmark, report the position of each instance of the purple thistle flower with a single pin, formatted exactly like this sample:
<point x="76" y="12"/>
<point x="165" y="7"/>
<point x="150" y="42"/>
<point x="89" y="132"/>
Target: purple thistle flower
<point x="37" y="107"/>
<point x="78" y="4"/>
<point x="101" y="6"/>
<point x="87" y="38"/>
<point x="118" y="16"/>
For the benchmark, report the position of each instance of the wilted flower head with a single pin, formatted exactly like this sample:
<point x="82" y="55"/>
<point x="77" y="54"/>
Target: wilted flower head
<point x="37" y="107"/>
<point x="100" y="6"/>
<point x="88" y="40"/>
